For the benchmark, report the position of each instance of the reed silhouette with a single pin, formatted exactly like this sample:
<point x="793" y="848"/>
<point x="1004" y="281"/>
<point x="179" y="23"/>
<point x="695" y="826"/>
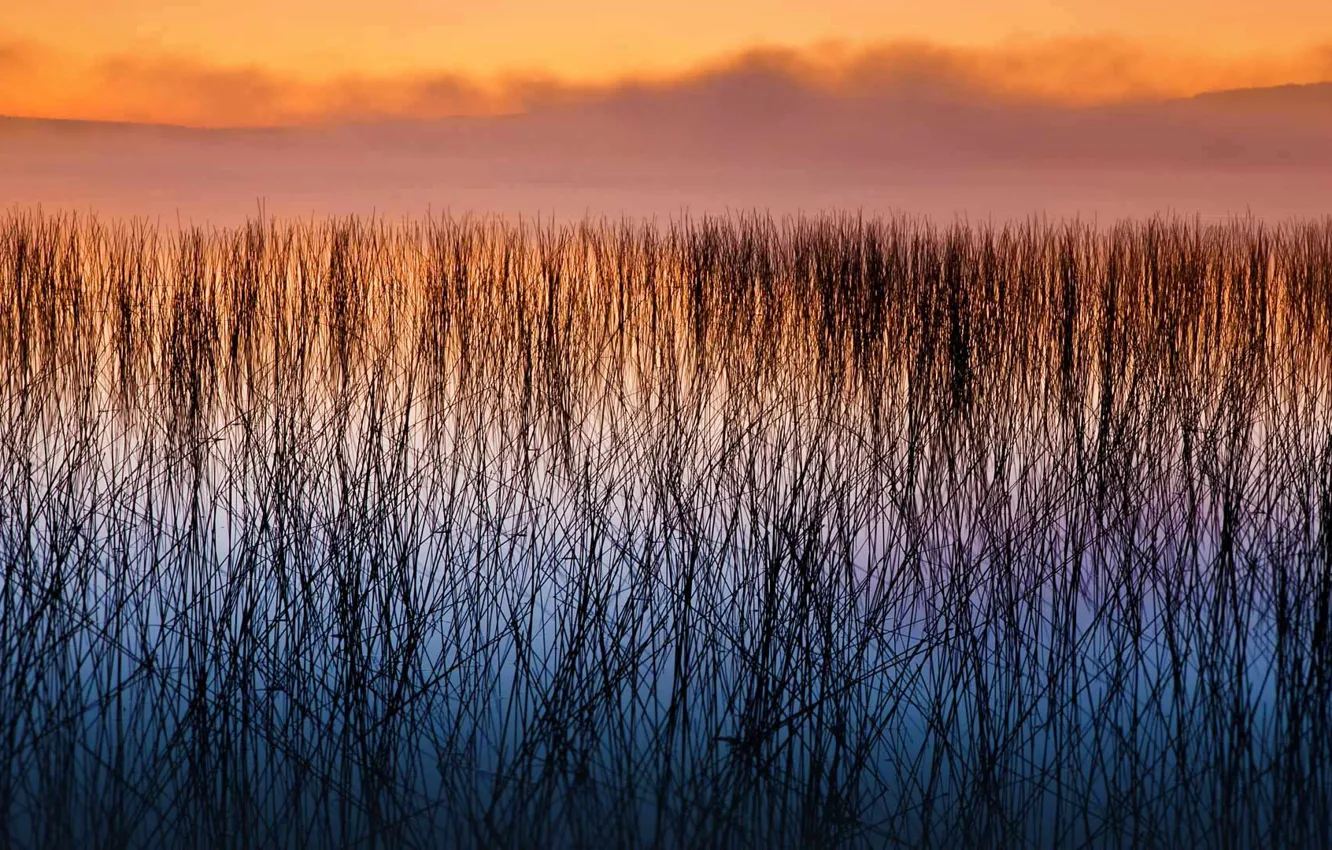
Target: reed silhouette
<point x="725" y="532"/>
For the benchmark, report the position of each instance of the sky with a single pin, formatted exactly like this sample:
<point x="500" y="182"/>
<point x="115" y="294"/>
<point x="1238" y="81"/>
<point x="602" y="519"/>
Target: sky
<point x="946" y="108"/>
<point x="265" y="62"/>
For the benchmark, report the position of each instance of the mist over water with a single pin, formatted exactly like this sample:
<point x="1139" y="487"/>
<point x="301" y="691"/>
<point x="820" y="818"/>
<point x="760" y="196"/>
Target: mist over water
<point x="737" y="138"/>
<point x="737" y="531"/>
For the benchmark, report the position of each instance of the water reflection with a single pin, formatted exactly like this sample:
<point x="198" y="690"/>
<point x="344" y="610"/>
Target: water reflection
<point x="728" y="534"/>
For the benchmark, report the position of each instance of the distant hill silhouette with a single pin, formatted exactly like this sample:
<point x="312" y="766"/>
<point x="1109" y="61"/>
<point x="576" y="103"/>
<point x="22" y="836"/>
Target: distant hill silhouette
<point x="1308" y="99"/>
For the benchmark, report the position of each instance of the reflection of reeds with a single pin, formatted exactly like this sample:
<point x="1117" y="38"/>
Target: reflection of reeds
<point x="729" y="532"/>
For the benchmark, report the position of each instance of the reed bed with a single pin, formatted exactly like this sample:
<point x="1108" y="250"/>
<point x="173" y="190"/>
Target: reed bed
<point x="726" y="532"/>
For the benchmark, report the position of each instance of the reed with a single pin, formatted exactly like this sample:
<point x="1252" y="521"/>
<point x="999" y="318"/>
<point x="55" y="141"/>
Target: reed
<point x="725" y="532"/>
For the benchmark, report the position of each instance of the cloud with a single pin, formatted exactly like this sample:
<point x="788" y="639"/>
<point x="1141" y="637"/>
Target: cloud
<point x="17" y="56"/>
<point x="37" y="81"/>
<point x="174" y="89"/>
<point x="21" y="63"/>
<point x="1066" y="128"/>
<point x="1068" y="71"/>
<point x="13" y="57"/>
<point x="192" y="93"/>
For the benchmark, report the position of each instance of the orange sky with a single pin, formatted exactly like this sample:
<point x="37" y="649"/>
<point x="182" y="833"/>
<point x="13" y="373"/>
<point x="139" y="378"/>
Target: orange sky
<point x="260" y="61"/>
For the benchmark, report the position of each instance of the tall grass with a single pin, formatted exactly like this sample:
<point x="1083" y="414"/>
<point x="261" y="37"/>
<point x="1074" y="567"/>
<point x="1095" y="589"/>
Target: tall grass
<point x="728" y="532"/>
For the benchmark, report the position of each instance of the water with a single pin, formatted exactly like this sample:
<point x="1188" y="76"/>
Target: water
<point x="466" y="536"/>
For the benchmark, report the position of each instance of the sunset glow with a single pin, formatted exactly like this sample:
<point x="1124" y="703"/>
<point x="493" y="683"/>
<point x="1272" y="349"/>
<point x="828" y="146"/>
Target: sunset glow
<point x="246" y="63"/>
<point x="705" y="423"/>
